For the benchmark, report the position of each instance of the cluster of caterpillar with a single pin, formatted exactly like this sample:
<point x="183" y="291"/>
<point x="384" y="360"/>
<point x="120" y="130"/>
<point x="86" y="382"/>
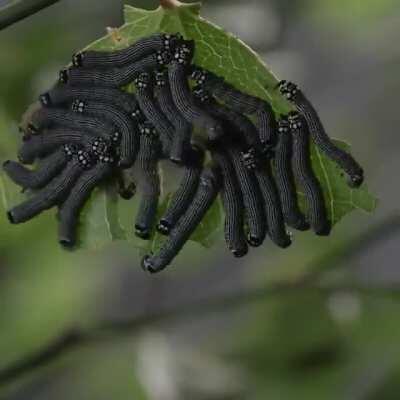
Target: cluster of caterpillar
<point x="87" y="130"/>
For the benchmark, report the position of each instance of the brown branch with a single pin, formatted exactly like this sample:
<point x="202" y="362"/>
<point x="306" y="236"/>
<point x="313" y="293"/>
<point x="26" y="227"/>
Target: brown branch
<point x="17" y="10"/>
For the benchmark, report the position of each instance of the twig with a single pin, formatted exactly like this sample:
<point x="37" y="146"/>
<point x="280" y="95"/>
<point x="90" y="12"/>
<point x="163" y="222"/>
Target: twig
<point x="17" y="10"/>
<point x="78" y="336"/>
<point x="170" y="3"/>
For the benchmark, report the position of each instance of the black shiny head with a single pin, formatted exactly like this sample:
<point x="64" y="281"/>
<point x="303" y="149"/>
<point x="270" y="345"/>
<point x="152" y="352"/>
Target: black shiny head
<point x="142" y="232"/>
<point x="63" y="76"/>
<point x="288" y="89"/>
<point x="164" y="227"/>
<point x="254" y="241"/>
<point x="295" y="121"/>
<point x="45" y="99"/>
<point x="250" y="159"/>
<point x="143" y="81"/>
<point x="147" y="129"/>
<point x="78" y="106"/>
<point x="160" y="78"/>
<point x="201" y="94"/>
<point x="85" y="159"/>
<point x="163" y="58"/>
<point x="77" y="59"/>
<point x="283" y="126"/>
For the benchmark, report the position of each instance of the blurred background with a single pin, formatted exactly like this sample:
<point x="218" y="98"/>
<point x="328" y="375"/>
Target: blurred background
<point x="335" y="336"/>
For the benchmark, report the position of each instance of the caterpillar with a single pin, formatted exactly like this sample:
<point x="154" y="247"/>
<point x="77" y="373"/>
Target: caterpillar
<point x="49" y="168"/>
<point x="183" y="129"/>
<point x="56" y="191"/>
<point x="134" y="53"/>
<point x="241" y="103"/>
<point x="63" y="95"/>
<point x="305" y="176"/>
<point x="252" y="199"/>
<point x="182" y="198"/>
<point x="114" y="77"/>
<point x="232" y="200"/>
<point x="69" y="210"/>
<point x="59" y="117"/>
<point x="38" y="146"/>
<point x="285" y="179"/>
<point x="127" y="128"/>
<point x="205" y="195"/>
<point x="147" y="103"/>
<point x="183" y="97"/>
<point x="319" y="136"/>
<point x="150" y="180"/>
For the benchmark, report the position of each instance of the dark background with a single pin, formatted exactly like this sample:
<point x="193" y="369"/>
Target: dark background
<point x="338" y="341"/>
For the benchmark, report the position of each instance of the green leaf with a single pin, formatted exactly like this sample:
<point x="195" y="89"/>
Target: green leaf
<point x="109" y="218"/>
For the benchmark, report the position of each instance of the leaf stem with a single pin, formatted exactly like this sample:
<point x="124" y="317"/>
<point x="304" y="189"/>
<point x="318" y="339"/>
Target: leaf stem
<point x="17" y="10"/>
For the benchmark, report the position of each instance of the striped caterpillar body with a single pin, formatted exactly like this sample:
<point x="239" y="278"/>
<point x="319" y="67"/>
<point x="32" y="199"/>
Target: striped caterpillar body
<point x="49" y="140"/>
<point x="183" y="97"/>
<point x="232" y="200"/>
<point x="320" y="137"/>
<point x="145" y="95"/>
<point x="58" y="117"/>
<point x="49" y="168"/>
<point x="205" y="195"/>
<point x="305" y="177"/>
<point x="55" y="192"/>
<point x="182" y="198"/>
<point x="150" y="181"/>
<point x="126" y="127"/>
<point x="63" y="95"/>
<point x="70" y="209"/>
<point x="252" y="199"/>
<point x="114" y="77"/>
<point x="134" y="53"/>
<point x="285" y="180"/>
<point x="183" y="129"/>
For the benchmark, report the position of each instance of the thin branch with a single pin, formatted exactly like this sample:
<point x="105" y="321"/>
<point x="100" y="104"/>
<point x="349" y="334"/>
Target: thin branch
<point x="170" y="3"/>
<point x="78" y="336"/>
<point x="17" y="10"/>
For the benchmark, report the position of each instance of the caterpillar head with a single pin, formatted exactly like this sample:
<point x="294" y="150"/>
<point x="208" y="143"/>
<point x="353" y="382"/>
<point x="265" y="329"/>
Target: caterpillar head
<point x="199" y="75"/>
<point x="143" y="81"/>
<point x="147" y="129"/>
<point x="160" y="78"/>
<point x="295" y="121"/>
<point x="283" y="126"/>
<point x="163" y="58"/>
<point x="85" y="159"/>
<point x="78" y="106"/>
<point x="102" y="150"/>
<point x="63" y="76"/>
<point x="45" y="99"/>
<point x="184" y="53"/>
<point x="77" y="59"/>
<point x="288" y="90"/>
<point x="201" y="94"/>
<point x="250" y="159"/>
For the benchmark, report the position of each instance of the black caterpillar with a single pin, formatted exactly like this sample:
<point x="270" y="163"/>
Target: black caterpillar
<point x="88" y="130"/>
